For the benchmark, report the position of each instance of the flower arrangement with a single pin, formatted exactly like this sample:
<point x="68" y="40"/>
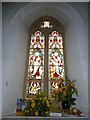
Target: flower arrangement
<point x="39" y="105"/>
<point x="73" y="111"/>
<point x="65" y="91"/>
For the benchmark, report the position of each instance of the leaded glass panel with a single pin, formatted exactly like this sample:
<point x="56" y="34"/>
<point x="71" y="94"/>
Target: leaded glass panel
<point x="46" y="24"/>
<point x="35" y="64"/>
<point x="56" y="60"/>
<point x="46" y="57"/>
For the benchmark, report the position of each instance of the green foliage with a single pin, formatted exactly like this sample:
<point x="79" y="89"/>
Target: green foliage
<point x="66" y="92"/>
<point x="38" y="105"/>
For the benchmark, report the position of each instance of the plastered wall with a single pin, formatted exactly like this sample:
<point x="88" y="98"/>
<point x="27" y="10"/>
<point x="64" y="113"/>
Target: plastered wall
<point x="0" y="60"/>
<point x="17" y="19"/>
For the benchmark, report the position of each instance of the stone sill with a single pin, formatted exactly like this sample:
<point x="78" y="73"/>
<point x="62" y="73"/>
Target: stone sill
<point x="45" y="118"/>
<point x="13" y="116"/>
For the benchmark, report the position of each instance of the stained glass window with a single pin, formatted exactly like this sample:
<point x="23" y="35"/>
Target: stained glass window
<point x="46" y="57"/>
<point x="56" y="60"/>
<point x="35" y="74"/>
<point x="46" y="24"/>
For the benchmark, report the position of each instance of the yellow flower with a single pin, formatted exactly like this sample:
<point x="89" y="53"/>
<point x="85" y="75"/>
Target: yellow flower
<point x="36" y="113"/>
<point x="48" y="103"/>
<point x="44" y="98"/>
<point x="46" y="112"/>
<point x="33" y="104"/>
<point x="64" y="89"/>
<point x="72" y="85"/>
<point x="58" y="90"/>
<point x="40" y="98"/>
<point x="64" y="93"/>
<point x="32" y="101"/>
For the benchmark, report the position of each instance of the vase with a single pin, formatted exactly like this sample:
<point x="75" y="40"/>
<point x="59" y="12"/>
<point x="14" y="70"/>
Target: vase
<point x="57" y="104"/>
<point x="65" y="105"/>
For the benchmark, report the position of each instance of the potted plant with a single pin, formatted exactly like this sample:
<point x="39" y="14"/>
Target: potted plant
<point x="65" y="93"/>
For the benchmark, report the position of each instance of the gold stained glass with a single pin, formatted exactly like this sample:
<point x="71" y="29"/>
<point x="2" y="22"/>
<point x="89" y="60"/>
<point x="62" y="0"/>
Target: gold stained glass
<point x="35" y="64"/>
<point x="46" y="57"/>
<point x="56" y="60"/>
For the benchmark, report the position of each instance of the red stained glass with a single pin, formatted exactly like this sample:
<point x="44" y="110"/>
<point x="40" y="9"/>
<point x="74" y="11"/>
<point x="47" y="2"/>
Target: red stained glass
<point x="35" y="64"/>
<point x="59" y="40"/>
<point x="33" y="40"/>
<point x="50" y="40"/>
<point x="56" y="59"/>
<point x="35" y="75"/>
<point x="42" y="40"/>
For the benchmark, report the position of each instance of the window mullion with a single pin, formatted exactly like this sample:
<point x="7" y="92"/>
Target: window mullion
<point x="46" y="65"/>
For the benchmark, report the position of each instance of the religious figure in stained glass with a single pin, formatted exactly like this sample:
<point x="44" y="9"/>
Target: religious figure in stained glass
<point x="36" y="77"/>
<point x="34" y="87"/>
<point x="56" y="60"/>
<point x="35" y="64"/>
<point x="36" y="57"/>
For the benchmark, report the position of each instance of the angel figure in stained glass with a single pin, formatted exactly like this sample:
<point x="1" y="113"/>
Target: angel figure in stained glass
<point x="54" y="85"/>
<point x="34" y="87"/>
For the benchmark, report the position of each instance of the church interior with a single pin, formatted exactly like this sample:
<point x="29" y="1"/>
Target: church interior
<point x="17" y="21"/>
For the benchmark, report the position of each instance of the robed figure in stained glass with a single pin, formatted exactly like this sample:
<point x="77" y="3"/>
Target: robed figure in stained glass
<point x="35" y="64"/>
<point x="37" y="78"/>
<point x="56" y="60"/>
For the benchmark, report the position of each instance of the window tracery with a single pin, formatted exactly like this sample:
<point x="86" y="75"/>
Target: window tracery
<point x="40" y="74"/>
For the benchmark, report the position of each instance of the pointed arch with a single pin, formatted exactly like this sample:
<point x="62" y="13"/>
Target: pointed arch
<point x="40" y="56"/>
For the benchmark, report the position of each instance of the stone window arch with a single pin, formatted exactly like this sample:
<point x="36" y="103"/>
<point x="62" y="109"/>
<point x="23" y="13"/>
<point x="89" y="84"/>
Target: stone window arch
<point x="46" y="56"/>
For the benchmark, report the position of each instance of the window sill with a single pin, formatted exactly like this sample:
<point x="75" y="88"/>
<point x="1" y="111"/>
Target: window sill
<point x="45" y="118"/>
